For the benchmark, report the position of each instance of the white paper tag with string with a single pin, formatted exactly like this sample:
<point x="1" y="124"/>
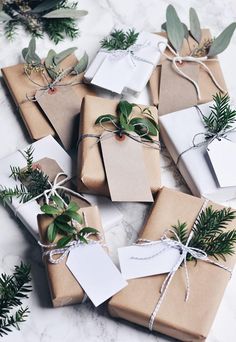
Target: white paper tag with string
<point x="147" y="260"/>
<point x="222" y="154"/>
<point x="95" y="272"/>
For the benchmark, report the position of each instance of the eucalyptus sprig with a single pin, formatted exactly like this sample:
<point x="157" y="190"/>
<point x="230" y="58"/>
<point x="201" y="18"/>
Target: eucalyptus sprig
<point x="33" y="181"/>
<point x="209" y="233"/>
<point x="57" y="18"/>
<point x="144" y="126"/>
<point x="120" y="40"/>
<point x="222" y="116"/>
<point x="51" y="65"/>
<point x="65" y="222"/>
<point x="177" y="32"/>
<point x="13" y="289"/>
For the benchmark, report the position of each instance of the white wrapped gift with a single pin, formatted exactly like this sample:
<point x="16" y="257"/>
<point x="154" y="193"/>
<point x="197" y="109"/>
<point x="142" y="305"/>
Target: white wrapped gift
<point x="127" y="71"/>
<point x="27" y="212"/>
<point x="209" y="169"/>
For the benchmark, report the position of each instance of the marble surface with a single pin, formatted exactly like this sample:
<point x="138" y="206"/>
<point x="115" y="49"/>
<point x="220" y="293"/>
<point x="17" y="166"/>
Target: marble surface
<point x="83" y="322"/>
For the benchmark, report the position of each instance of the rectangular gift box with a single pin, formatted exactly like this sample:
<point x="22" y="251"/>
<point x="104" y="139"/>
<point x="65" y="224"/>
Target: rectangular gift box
<point x="123" y="72"/>
<point x="181" y="91"/>
<point x="185" y="320"/>
<point x="64" y="287"/>
<point x="53" y="159"/>
<point x="37" y="122"/>
<point x="91" y="173"/>
<point x="178" y="130"/>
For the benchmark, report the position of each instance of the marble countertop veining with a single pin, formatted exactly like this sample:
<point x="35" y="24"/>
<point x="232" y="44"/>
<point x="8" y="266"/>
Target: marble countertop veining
<point x="83" y="322"/>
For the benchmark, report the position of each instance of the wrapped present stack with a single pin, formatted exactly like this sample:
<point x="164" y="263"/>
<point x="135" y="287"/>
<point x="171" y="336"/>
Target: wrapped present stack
<point x="90" y="154"/>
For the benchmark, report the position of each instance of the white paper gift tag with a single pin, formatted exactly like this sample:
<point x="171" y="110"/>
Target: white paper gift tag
<point x="143" y="261"/>
<point x="95" y="272"/>
<point x="222" y="154"/>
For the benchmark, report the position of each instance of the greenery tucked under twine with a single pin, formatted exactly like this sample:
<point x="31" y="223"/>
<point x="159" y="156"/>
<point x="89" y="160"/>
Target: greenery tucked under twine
<point x="120" y="40"/>
<point x="144" y="126"/>
<point x="57" y="18"/>
<point x="51" y="65"/>
<point x="209" y="233"/>
<point x="65" y="222"/>
<point x="178" y="32"/>
<point x="13" y="289"/>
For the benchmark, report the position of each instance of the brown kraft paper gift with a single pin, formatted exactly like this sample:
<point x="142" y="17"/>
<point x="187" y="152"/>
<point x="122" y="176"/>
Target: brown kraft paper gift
<point x="186" y="321"/>
<point x="91" y="174"/>
<point x="182" y="89"/>
<point x="64" y="288"/>
<point x="36" y="121"/>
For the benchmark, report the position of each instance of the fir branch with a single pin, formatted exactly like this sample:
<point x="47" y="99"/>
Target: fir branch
<point x="13" y="289"/>
<point x="222" y="116"/>
<point x="119" y="40"/>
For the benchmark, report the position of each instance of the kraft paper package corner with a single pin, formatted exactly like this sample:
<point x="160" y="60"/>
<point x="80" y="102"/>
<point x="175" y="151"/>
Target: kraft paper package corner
<point x="64" y="288"/>
<point x="54" y="159"/>
<point x="186" y="321"/>
<point x="54" y="111"/>
<point x="178" y="130"/>
<point x="165" y="83"/>
<point x="91" y="173"/>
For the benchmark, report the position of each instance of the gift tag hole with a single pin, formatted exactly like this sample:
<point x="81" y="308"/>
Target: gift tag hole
<point x="52" y="91"/>
<point x="120" y="137"/>
<point x="180" y="64"/>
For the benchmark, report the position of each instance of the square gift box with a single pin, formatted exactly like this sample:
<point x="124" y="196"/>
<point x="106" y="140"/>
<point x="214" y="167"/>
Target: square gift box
<point x="189" y="320"/>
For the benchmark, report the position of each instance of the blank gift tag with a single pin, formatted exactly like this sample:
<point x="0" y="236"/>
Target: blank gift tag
<point x="125" y="169"/>
<point x="143" y="261"/>
<point x="95" y="272"/>
<point x="222" y="154"/>
<point x="61" y="107"/>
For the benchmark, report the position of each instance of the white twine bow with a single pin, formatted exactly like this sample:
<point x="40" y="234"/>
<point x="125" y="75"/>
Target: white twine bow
<point x="199" y="60"/>
<point x="184" y="249"/>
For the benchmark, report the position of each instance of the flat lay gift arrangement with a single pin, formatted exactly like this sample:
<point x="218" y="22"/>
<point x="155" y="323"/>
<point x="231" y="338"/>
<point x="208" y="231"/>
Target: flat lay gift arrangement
<point x="89" y="151"/>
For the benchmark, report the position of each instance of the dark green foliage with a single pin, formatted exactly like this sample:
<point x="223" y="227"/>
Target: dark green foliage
<point x="64" y="222"/>
<point x="145" y="126"/>
<point x="222" y="116"/>
<point x="209" y="233"/>
<point x="13" y="289"/>
<point x="119" y="40"/>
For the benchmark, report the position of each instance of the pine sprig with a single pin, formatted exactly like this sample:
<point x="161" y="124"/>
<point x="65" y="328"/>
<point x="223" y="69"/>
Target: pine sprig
<point x="13" y="289"/>
<point x="222" y="116"/>
<point x="120" y="40"/>
<point x="209" y="233"/>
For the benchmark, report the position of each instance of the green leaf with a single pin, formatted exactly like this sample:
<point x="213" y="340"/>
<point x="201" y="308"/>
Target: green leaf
<point x="46" y="6"/>
<point x="73" y="206"/>
<point x="63" y="218"/>
<point x="175" y="29"/>
<point x="105" y="118"/>
<point x="125" y="108"/>
<point x="64" y="241"/>
<point x="75" y="216"/>
<point x="222" y="41"/>
<point x="51" y="232"/>
<point x="65" y="227"/>
<point x="58" y="201"/>
<point x="163" y="27"/>
<point x="186" y="31"/>
<point x="66" y="13"/>
<point x="195" y="27"/>
<point x="4" y="16"/>
<point x="29" y="53"/>
<point x="88" y="230"/>
<point x="49" y="64"/>
<point x="82" y="239"/>
<point x="49" y="209"/>
<point x="123" y="121"/>
<point x="82" y="65"/>
<point x="58" y="58"/>
<point x="146" y="124"/>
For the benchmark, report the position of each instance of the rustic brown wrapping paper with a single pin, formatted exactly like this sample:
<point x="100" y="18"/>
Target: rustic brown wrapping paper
<point x="186" y="321"/>
<point x="34" y="118"/>
<point x="91" y="174"/>
<point x="64" y="288"/>
<point x="207" y="87"/>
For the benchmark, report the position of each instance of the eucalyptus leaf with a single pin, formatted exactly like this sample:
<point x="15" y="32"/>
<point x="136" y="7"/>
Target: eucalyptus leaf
<point x="51" y="232"/>
<point x="66" y="13"/>
<point x="52" y="69"/>
<point x="125" y="107"/>
<point x="195" y="27"/>
<point x="186" y="31"/>
<point x="163" y="27"/>
<point x="29" y="53"/>
<point x="175" y="29"/>
<point x="46" y="5"/>
<point x="24" y="52"/>
<point x="64" y="241"/>
<point x="4" y="16"/>
<point x="105" y="118"/>
<point x="82" y="65"/>
<point x="222" y="41"/>
<point x="58" y="58"/>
